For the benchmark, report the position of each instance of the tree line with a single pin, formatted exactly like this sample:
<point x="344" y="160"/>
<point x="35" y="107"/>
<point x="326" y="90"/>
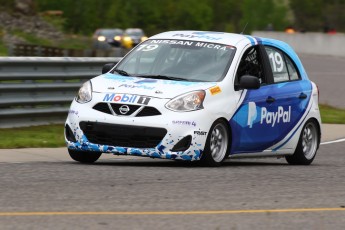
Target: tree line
<point x="154" y="16"/>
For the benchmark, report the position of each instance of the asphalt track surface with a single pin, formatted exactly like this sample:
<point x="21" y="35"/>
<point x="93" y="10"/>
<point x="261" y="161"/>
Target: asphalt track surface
<point x="45" y="189"/>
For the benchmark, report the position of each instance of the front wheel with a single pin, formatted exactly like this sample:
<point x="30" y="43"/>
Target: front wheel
<point x="307" y="146"/>
<point x="217" y="143"/>
<point x="84" y="156"/>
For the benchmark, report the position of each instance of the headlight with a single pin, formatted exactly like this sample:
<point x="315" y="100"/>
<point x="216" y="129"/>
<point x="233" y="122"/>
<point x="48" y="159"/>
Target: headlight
<point x="144" y="38"/>
<point x="117" y="38"/>
<point x="127" y="39"/>
<point x="187" y="102"/>
<point x="101" y="38"/>
<point x="85" y="93"/>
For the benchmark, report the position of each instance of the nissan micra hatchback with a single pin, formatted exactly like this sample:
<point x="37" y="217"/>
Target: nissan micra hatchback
<point x="193" y="95"/>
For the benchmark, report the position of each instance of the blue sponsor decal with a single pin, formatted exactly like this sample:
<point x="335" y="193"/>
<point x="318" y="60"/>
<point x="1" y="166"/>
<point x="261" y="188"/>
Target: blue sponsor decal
<point x="146" y="81"/>
<point x="258" y="125"/>
<point x="118" y="78"/>
<point x="206" y="32"/>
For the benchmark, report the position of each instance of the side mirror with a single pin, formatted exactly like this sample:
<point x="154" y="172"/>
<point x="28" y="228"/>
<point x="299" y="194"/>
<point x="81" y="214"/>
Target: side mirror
<point x="249" y="82"/>
<point x="107" y="67"/>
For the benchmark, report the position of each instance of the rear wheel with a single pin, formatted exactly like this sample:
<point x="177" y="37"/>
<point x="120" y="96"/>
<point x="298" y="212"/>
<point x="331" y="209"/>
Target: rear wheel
<point x="84" y="156"/>
<point x="217" y="143"/>
<point x="307" y="145"/>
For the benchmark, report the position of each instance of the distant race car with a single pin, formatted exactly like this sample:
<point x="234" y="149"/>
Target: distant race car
<point x="132" y="37"/>
<point x="106" y="38"/>
<point x="194" y="95"/>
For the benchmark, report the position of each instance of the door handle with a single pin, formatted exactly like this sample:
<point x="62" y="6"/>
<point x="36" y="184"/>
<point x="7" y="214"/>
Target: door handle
<point x="302" y="96"/>
<point x="270" y="99"/>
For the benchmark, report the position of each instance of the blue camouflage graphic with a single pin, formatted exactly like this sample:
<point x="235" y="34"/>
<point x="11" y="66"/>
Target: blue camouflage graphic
<point x="160" y="151"/>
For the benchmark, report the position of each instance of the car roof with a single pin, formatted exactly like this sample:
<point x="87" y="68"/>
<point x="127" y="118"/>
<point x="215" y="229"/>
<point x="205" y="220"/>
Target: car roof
<point x="222" y="37"/>
<point x="102" y="30"/>
<point x="133" y="30"/>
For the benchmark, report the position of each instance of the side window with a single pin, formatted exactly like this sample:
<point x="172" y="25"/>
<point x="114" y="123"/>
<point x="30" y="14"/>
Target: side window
<point x="292" y="69"/>
<point x="282" y="67"/>
<point x="278" y="65"/>
<point x="251" y="64"/>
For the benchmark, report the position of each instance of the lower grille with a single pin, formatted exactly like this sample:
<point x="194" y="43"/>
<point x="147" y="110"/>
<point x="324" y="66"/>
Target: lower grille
<point x="122" y="135"/>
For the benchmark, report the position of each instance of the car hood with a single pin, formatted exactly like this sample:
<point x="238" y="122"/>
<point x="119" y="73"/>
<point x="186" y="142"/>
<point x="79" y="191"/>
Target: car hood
<point x="113" y="83"/>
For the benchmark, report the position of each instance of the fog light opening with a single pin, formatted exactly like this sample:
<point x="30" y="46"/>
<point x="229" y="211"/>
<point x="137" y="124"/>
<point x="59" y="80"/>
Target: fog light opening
<point x="69" y="134"/>
<point x="183" y="144"/>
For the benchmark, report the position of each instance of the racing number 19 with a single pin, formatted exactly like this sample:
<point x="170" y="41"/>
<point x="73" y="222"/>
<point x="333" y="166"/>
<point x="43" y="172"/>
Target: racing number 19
<point x="277" y="61"/>
<point x="146" y="47"/>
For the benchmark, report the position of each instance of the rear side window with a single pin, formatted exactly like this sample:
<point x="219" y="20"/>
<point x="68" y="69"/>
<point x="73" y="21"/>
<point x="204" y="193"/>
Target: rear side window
<point x="282" y="66"/>
<point x="292" y="69"/>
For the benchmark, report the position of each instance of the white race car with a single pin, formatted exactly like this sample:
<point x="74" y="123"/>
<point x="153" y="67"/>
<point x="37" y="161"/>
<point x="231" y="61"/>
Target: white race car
<point x="194" y="95"/>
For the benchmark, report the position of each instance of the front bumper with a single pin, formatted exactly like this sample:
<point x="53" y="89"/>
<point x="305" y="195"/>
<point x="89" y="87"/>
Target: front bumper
<point x="184" y="138"/>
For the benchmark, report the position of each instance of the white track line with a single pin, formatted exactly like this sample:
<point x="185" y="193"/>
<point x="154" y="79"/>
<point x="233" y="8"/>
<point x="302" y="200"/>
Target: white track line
<point x="331" y="142"/>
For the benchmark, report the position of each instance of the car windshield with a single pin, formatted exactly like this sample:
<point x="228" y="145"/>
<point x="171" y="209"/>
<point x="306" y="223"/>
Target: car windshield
<point x="110" y="33"/>
<point x="178" y="60"/>
<point x="134" y="32"/>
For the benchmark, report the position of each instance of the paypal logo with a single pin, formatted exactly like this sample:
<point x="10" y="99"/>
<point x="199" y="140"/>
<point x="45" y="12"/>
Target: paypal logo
<point x="199" y="36"/>
<point x="266" y="117"/>
<point x="275" y="117"/>
<point x="252" y="114"/>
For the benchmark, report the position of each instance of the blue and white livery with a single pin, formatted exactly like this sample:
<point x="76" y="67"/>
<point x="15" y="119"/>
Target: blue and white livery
<point x="198" y="95"/>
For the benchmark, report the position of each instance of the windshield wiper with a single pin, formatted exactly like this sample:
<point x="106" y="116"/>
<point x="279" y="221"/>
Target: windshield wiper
<point x="165" y="77"/>
<point x="122" y="72"/>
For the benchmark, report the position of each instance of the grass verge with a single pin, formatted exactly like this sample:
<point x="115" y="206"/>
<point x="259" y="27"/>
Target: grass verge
<point x="52" y="135"/>
<point x="33" y="137"/>
<point x="332" y="115"/>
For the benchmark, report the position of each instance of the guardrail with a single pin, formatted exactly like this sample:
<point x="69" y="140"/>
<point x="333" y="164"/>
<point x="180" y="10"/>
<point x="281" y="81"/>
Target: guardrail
<point x="38" y="90"/>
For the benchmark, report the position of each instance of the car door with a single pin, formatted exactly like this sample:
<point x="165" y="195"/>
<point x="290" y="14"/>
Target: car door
<point x="266" y="115"/>
<point x="288" y="96"/>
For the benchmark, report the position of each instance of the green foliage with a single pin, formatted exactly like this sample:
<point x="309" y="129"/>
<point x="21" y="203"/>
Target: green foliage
<point x="31" y="38"/>
<point x="259" y="13"/>
<point x="315" y="15"/>
<point x="155" y="16"/>
<point x="68" y="42"/>
<point x="7" y="5"/>
<point x="75" y="42"/>
<point x="308" y="13"/>
<point x="57" y="21"/>
<point x="3" y="49"/>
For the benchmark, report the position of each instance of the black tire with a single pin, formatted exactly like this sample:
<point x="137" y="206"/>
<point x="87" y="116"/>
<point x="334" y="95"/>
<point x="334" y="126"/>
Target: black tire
<point x="217" y="144"/>
<point x="307" y="146"/>
<point x="84" y="156"/>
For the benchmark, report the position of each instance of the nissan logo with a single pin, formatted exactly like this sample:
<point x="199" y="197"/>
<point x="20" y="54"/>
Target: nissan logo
<point x="124" y="109"/>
